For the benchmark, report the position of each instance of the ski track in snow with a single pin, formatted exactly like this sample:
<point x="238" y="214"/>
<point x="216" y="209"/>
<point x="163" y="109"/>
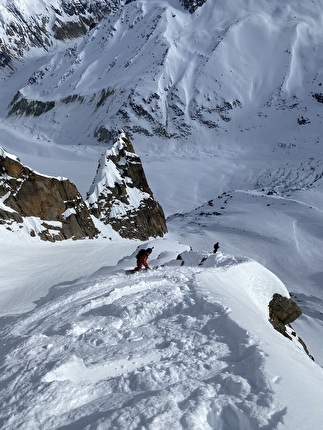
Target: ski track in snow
<point x="140" y="352"/>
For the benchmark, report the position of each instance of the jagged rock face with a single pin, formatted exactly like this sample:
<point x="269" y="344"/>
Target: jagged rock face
<point x="58" y="209"/>
<point x="192" y="5"/>
<point x="120" y="194"/>
<point x="22" y="29"/>
<point x="22" y="106"/>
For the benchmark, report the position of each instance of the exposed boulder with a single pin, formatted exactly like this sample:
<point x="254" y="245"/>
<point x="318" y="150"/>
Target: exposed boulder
<point x="283" y="309"/>
<point x="282" y="312"/>
<point x="54" y="205"/>
<point x="120" y="195"/>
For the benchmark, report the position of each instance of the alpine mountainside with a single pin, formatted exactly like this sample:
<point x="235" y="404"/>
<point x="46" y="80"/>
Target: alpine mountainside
<point x="53" y="209"/>
<point x="217" y="105"/>
<point x="185" y="72"/>
<point x="26" y="26"/>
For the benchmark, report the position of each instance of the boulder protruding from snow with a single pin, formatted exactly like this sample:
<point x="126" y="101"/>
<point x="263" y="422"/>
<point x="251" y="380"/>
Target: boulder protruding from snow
<point x="282" y="312"/>
<point x="50" y="207"/>
<point x="120" y="195"/>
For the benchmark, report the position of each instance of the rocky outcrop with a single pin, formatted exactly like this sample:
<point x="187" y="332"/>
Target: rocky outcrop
<point x="49" y="207"/>
<point x="21" y="106"/>
<point x="192" y="5"/>
<point x="120" y="194"/>
<point x="53" y="209"/>
<point x="282" y="312"/>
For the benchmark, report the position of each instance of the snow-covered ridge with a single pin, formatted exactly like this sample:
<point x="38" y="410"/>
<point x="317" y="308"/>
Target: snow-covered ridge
<point x="182" y="348"/>
<point x="25" y="26"/>
<point x="190" y="346"/>
<point x="4" y="153"/>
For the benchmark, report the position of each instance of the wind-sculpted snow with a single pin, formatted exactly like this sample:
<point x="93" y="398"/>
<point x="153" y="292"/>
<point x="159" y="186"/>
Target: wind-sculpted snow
<point x="148" y="351"/>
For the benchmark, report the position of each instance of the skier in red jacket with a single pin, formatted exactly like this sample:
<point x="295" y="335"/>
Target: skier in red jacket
<point x="142" y="258"/>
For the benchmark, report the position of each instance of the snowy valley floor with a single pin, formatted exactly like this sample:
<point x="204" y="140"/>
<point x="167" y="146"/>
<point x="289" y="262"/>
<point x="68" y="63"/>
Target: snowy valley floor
<point x="178" y="347"/>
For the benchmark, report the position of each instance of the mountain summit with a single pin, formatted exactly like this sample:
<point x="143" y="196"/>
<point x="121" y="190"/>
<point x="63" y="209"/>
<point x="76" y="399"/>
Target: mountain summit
<point x="120" y="195"/>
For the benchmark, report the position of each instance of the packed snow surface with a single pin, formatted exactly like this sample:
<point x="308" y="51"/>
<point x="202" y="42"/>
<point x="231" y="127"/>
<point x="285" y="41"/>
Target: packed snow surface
<point x="181" y="346"/>
<point x="187" y="345"/>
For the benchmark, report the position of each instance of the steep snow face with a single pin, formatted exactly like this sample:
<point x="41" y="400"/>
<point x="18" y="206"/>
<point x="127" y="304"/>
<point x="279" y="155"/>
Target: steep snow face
<point x="26" y="25"/>
<point x="154" y="69"/>
<point x="282" y="233"/>
<point x="108" y="176"/>
<point x="238" y="85"/>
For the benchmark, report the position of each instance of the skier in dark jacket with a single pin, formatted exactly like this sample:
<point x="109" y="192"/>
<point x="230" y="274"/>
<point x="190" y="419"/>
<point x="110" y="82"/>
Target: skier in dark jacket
<point x="142" y="258"/>
<point x="216" y="247"/>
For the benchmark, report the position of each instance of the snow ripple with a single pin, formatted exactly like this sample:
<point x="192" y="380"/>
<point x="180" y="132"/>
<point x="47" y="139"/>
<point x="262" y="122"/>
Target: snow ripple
<point x="145" y="352"/>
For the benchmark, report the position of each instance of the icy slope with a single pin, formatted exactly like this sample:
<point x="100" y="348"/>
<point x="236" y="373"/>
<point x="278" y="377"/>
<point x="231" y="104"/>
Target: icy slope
<point x="180" y="347"/>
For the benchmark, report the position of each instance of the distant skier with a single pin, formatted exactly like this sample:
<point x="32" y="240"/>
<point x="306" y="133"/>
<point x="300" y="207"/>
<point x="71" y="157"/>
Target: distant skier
<point x="216" y="247"/>
<point x="142" y="258"/>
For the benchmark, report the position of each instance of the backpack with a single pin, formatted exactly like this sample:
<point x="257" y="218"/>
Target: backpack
<point x="140" y="253"/>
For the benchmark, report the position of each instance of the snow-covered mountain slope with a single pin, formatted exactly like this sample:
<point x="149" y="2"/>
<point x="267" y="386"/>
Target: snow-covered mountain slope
<point x="224" y="109"/>
<point x="284" y="235"/>
<point x="186" y="348"/>
<point x="27" y="26"/>
<point x="235" y="80"/>
<point x="154" y="69"/>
